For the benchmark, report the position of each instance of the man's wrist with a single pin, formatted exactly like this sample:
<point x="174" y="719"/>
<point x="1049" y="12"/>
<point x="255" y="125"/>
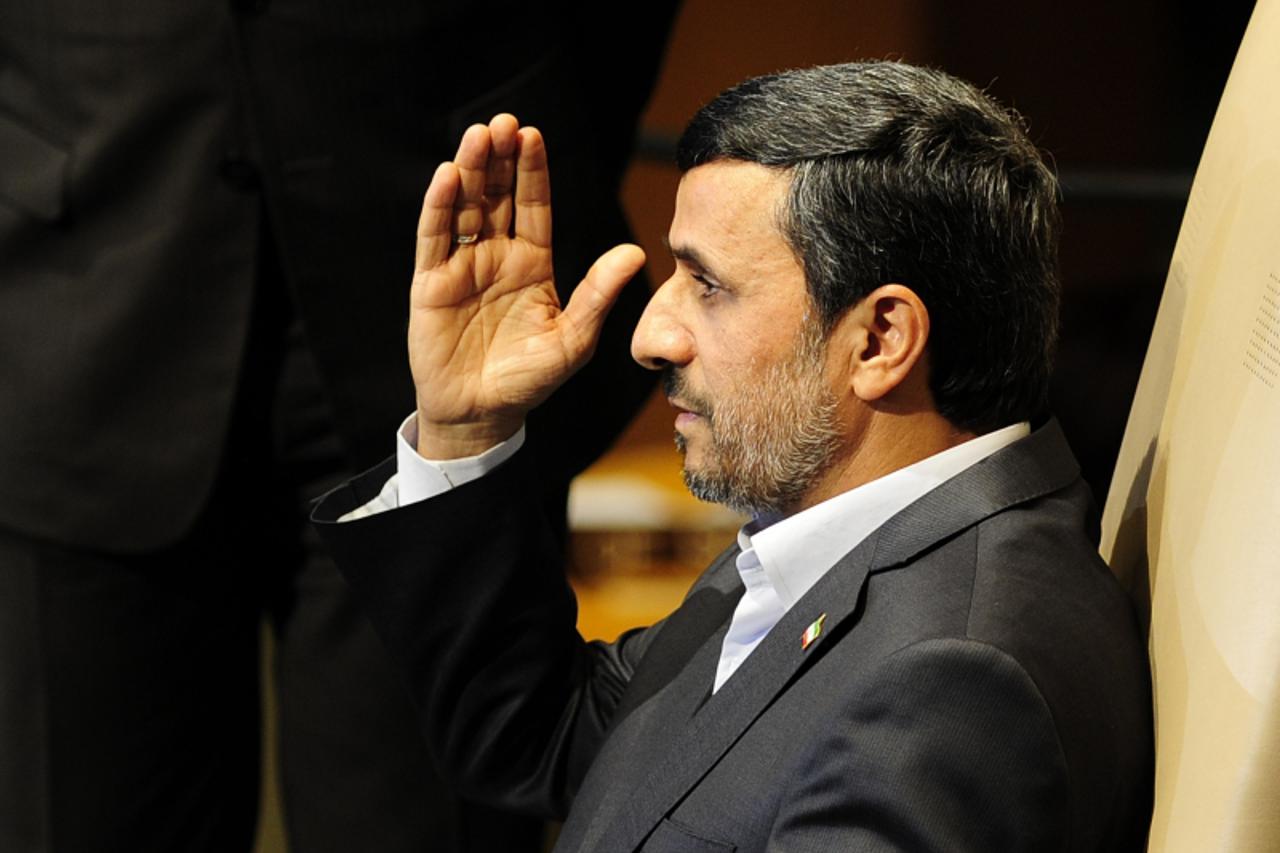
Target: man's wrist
<point x="457" y="441"/>
<point x="421" y="479"/>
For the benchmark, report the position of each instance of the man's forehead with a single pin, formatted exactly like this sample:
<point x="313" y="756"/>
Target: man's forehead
<point x="727" y="199"/>
<point x="724" y="182"/>
<point x="727" y="226"/>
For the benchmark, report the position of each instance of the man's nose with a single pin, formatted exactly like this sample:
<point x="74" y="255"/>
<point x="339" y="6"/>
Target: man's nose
<point x="660" y="339"/>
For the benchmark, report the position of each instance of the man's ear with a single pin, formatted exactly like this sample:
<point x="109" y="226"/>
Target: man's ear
<point x="888" y="332"/>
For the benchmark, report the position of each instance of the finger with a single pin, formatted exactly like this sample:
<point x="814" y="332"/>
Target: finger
<point x="583" y="318"/>
<point x="472" y="161"/>
<point x="500" y="174"/>
<point x="435" y="236"/>
<point x="533" y="190"/>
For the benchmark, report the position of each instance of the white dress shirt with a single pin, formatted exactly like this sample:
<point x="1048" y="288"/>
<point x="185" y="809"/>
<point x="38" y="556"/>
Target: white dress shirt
<point x="781" y="559"/>
<point x="417" y="479"/>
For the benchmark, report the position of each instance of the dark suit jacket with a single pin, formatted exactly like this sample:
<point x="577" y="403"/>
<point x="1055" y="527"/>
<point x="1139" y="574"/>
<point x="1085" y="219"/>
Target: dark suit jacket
<point x="979" y="683"/>
<point x="146" y="150"/>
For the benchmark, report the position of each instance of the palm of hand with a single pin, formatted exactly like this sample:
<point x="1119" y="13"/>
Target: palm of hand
<point x="488" y="340"/>
<point x="483" y="327"/>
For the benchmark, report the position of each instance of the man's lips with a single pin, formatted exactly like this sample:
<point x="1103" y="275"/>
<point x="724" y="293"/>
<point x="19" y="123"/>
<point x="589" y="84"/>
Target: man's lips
<point x="684" y="415"/>
<point x="684" y="419"/>
<point x="690" y="407"/>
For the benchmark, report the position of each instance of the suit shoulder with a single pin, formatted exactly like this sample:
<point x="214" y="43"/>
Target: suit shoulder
<point x="1037" y="574"/>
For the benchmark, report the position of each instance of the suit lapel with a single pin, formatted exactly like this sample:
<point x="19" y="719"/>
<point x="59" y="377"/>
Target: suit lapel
<point x="1031" y="468"/>
<point x="722" y="719"/>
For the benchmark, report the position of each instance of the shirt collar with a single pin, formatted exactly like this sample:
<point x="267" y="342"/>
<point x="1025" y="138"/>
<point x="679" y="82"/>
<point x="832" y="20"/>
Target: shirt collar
<point x="798" y="550"/>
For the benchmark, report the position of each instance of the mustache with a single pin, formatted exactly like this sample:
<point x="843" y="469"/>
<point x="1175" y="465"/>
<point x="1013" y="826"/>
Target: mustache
<point x="676" y="386"/>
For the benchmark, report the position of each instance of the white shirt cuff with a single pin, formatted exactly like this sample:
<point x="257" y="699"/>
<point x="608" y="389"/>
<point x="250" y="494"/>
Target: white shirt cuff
<point x="418" y="479"/>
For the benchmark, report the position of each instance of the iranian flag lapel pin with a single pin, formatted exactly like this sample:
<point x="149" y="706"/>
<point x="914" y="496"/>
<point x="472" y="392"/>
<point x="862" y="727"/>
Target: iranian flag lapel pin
<point x="813" y="632"/>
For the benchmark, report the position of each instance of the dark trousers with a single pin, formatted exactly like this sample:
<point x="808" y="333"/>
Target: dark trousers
<point x="129" y="684"/>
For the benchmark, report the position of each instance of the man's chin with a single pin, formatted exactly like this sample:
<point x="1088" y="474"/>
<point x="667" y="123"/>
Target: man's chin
<point x="704" y="482"/>
<point x="687" y="447"/>
<point x="690" y="455"/>
<point x="699" y="486"/>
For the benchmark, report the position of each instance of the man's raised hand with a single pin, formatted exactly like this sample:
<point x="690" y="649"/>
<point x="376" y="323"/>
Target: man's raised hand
<point x="488" y="340"/>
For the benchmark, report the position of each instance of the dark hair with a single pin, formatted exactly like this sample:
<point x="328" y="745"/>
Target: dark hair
<point x="905" y="174"/>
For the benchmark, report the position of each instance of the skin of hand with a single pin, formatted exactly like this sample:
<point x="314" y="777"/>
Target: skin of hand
<point x="488" y="340"/>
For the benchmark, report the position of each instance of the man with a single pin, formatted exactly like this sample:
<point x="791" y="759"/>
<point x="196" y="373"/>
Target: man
<point x="205" y="223"/>
<point x="914" y="645"/>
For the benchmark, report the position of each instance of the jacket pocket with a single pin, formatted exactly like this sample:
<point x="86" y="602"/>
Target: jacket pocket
<point x="672" y="837"/>
<point x="32" y="171"/>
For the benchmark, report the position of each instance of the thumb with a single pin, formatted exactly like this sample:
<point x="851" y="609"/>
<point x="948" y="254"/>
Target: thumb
<point x="591" y="300"/>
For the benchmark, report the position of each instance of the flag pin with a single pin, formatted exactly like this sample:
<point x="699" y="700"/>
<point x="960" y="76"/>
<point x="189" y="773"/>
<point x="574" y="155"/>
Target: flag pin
<point x="812" y="632"/>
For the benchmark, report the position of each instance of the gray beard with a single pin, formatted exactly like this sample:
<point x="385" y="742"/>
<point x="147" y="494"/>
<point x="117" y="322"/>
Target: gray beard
<point x="771" y="443"/>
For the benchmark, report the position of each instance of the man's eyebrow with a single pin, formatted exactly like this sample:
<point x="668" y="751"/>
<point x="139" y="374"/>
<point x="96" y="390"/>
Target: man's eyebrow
<point x="688" y="254"/>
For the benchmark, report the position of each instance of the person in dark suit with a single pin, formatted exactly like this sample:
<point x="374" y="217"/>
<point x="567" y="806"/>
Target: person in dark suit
<point x="914" y="645"/>
<point x="205" y="230"/>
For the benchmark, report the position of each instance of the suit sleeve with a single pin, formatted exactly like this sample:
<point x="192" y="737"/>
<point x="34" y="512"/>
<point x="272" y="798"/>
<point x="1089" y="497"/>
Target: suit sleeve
<point x="467" y="591"/>
<point x="949" y="747"/>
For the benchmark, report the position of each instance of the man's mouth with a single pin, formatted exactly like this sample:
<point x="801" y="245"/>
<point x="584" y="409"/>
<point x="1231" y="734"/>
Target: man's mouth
<point x="688" y="409"/>
<point x="686" y="418"/>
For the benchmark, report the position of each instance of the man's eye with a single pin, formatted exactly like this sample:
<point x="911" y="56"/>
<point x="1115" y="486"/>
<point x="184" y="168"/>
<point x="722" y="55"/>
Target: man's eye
<point x="706" y="287"/>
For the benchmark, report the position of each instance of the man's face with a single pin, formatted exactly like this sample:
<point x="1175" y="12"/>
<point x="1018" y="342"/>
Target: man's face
<point x="744" y="361"/>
